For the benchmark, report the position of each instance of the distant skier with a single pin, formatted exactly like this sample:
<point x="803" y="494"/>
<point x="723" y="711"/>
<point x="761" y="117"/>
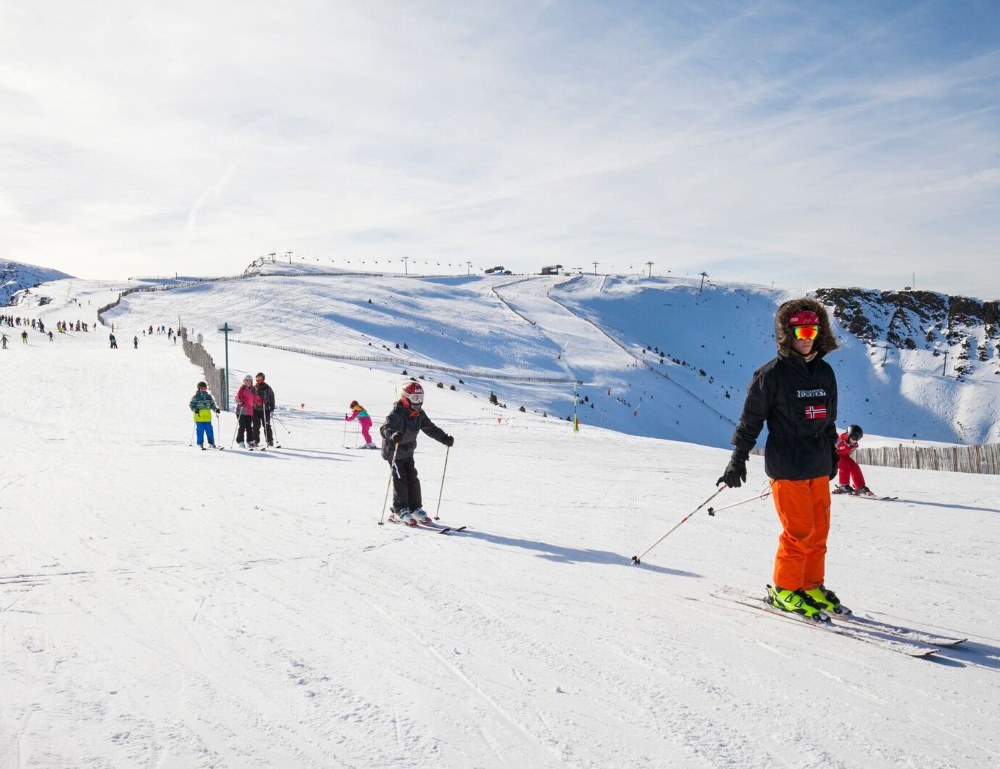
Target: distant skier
<point x="246" y="401"/>
<point x="399" y="433"/>
<point x="796" y="395"/>
<point x="358" y="411"/>
<point x="114" y="342"/>
<point x="4" y="341"/>
<point x="24" y="337"/>
<point x="203" y="404"/>
<point x="262" y="413"/>
<point x="850" y="471"/>
<point x="135" y="343"/>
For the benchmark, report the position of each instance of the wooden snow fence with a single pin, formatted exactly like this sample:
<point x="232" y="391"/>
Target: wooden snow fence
<point x="957" y="459"/>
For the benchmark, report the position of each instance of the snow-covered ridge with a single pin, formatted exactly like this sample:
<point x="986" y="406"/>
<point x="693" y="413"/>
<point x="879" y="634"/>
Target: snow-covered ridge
<point x="657" y="357"/>
<point x="15" y="277"/>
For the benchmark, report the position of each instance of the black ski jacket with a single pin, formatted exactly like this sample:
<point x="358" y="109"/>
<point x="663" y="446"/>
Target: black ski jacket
<point x="267" y="395"/>
<point x="798" y="401"/>
<point x="408" y="423"/>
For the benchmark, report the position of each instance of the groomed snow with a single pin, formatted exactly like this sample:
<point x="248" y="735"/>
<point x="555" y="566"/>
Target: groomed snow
<point x="161" y="606"/>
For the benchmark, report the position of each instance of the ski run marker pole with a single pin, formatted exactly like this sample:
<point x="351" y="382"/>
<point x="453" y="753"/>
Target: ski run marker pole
<point x="635" y="558"/>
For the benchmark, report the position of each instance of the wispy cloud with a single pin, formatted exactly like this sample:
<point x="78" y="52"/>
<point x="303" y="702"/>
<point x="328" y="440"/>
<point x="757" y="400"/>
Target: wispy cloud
<point x="818" y="145"/>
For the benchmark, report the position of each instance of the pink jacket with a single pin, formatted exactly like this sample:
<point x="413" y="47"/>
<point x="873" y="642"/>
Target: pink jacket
<point x="246" y="399"/>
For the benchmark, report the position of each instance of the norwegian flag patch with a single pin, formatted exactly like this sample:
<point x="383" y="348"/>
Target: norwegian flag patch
<point x="815" y="412"/>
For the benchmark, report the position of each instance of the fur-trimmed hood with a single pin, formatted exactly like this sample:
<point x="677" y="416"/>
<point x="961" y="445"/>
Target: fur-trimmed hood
<point x="825" y="342"/>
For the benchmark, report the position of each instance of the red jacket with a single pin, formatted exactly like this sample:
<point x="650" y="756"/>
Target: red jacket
<point x="845" y="445"/>
<point x="246" y="400"/>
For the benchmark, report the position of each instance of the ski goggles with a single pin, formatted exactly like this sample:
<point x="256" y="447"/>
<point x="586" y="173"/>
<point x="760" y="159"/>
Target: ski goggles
<point x="805" y="332"/>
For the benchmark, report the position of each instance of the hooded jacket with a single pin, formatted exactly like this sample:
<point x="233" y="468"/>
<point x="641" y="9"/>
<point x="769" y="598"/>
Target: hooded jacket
<point x="797" y="399"/>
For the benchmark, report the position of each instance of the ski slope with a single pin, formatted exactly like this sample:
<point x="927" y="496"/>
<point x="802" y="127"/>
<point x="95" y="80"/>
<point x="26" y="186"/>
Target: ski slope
<point x="161" y="606"/>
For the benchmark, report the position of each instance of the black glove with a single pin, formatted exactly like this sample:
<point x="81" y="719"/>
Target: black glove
<point x="217" y="411"/>
<point x="736" y="471"/>
<point x="836" y="466"/>
<point x="449" y="441"/>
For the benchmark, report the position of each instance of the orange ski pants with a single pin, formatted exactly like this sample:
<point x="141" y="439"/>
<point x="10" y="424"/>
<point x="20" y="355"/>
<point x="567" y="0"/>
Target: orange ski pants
<point x="804" y="511"/>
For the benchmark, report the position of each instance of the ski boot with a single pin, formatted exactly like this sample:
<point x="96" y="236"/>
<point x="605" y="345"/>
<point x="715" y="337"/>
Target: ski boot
<point x="421" y="515"/>
<point x="797" y="601"/>
<point x="864" y="491"/>
<point x="827" y="600"/>
<point x="843" y="488"/>
<point x="403" y="516"/>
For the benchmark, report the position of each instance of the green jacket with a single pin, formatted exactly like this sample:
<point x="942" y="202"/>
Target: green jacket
<point x="203" y="404"/>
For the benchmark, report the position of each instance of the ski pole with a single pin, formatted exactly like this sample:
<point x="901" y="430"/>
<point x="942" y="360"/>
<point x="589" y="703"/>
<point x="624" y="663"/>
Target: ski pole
<point x="191" y="442"/>
<point x="441" y="490"/>
<point x="763" y="495"/>
<point x="344" y="441"/>
<point x="635" y="558"/>
<point x="275" y="420"/>
<point x="392" y="467"/>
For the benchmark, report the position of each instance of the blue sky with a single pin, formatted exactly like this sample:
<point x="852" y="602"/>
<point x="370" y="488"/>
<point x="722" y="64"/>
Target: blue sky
<point x="804" y="144"/>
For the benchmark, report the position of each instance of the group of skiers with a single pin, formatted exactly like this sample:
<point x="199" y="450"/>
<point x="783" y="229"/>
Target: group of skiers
<point x="254" y="407"/>
<point x="795" y="394"/>
<point x="255" y="404"/>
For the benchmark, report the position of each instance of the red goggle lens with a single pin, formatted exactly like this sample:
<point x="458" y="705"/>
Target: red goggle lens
<point x="805" y="332"/>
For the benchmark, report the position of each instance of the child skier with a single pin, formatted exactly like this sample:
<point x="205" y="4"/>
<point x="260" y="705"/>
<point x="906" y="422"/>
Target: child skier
<point x="795" y="394"/>
<point x="357" y="410"/>
<point x="246" y="401"/>
<point x="850" y="471"/>
<point x="399" y="433"/>
<point x="203" y="404"/>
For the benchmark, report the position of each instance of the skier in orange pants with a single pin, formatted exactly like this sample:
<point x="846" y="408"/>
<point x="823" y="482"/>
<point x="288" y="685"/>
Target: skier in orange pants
<point x="796" y="395"/>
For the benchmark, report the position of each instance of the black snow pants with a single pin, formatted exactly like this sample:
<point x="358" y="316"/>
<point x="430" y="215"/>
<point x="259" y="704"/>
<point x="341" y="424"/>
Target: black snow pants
<point x="405" y="485"/>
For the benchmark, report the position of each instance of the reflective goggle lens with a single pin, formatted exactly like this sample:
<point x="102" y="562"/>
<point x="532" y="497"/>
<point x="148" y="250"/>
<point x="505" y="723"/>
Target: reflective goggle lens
<point x="805" y="332"/>
<point x="415" y="397"/>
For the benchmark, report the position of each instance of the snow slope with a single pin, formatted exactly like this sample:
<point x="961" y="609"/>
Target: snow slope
<point x="655" y="357"/>
<point x="161" y="606"/>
